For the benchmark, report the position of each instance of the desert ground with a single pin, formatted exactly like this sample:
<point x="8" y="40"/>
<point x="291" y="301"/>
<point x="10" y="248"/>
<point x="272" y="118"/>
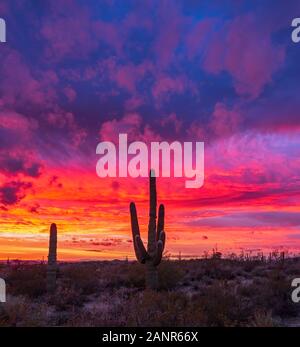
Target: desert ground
<point x="236" y="291"/>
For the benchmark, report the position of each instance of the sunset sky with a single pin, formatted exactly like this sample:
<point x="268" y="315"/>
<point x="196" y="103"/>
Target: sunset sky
<point x="74" y="73"/>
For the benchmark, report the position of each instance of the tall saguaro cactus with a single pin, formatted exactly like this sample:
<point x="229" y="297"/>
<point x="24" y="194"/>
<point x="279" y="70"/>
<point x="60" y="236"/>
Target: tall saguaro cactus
<point x="52" y="260"/>
<point x="156" y="237"/>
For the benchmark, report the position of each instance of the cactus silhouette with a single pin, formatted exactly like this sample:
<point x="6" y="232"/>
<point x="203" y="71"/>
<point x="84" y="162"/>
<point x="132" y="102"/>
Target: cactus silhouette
<point x="156" y="237"/>
<point x="52" y="257"/>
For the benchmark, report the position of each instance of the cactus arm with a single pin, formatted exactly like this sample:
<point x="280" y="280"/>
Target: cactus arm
<point x="162" y="238"/>
<point x="160" y="248"/>
<point x="161" y="221"/>
<point x="158" y="253"/>
<point x="134" y="221"/>
<point x="139" y="248"/>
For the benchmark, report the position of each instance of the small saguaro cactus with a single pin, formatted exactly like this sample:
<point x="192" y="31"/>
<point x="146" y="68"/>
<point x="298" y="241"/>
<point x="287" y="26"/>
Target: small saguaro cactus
<point x="156" y="237"/>
<point x="52" y="257"/>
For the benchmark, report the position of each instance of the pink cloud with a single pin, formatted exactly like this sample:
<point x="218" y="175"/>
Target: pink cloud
<point x="166" y="85"/>
<point x="244" y="48"/>
<point x="72" y="32"/>
<point x="110" y="34"/>
<point x="13" y="121"/>
<point x="127" y="76"/>
<point x="132" y="125"/>
<point x="4" y="8"/>
<point x="18" y="84"/>
<point x="133" y="103"/>
<point x="68" y="31"/>
<point x="171" y="23"/>
<point x="66" y="120"/>
<point x="70" y="93"/>
<point x="224" y="121"/>
<point x="172" y="120"/>
<point x="129" y="124"/>
<point x="197" y="37"/>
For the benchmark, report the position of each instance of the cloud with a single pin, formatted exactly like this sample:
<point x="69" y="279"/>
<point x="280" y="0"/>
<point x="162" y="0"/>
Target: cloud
<point x="13" y="192"/>
<point x="165" y="86"/>
<point x="70" y="93"/>
<point x="132" y="125"/>
<point x="127" y="76"/>
<point x="18" y="85"/>
<point x="68" y="31"/>
<point x="16" y="164"/>
<point x="250" y="220"/>
<point x="244" y="48"/>
<point x="199" y="36"/>
<point x="170" y="24"/>
<point x="224" y="121"/>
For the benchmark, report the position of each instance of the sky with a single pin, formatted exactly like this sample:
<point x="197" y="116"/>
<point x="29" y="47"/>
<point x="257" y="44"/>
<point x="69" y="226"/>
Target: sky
<point x="74" y="73"/>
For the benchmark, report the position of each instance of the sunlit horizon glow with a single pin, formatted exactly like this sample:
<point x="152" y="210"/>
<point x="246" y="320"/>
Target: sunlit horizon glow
<point x="226" y="75"/>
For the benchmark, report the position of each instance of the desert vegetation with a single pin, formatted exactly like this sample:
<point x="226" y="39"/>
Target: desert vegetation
<point x="201" y="292"/>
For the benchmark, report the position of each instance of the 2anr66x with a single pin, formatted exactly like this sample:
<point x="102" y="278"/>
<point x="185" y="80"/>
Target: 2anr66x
<point x="172" y="336"/>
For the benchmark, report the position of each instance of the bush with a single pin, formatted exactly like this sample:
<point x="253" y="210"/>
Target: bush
<point x="19" y="311"/>
<point x="66" y="298"/>
<point x="83" y="279"/>
<point x="221" y="306"/>
<point x="151" y="308"/>
<point x="262" y="319"/>
<point x="169" y="274"/>
<point x="135" y="275"/>
<point x="27" y="280"/>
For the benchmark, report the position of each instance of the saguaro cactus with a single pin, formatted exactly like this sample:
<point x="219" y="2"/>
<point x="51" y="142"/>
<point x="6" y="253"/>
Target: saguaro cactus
<point x="52" y="257"/>
<point x="156" y="237"/>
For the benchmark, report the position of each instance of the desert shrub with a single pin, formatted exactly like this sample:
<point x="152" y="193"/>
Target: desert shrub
<point x="218" y="269"/>
<point x="66" y="298"/>
<point x="280" y="289"/>
<point x="19" y="311"/>
<point x="259" y="271"/>
<point x="247" y="291"/>
<point x="275" y="295"/>
<point x="83" y="278"/>
<point x="250" y="265"/>
<point x="157" y="309"/>
<point x="27" y="280"/>
<point x="262" y="319"/>
<point x="292" y="267"/>
<point x="169" y="274"/>
<point x="209" y="292"/>
<point x="221" y="306"/>
<point x="135" y="275"/>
